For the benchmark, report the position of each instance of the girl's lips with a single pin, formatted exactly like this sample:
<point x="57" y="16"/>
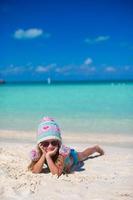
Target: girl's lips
<point x="49" y="150"/>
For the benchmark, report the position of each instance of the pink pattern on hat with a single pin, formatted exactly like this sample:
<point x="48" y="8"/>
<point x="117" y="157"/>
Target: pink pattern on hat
<point x="48" y="128"/>
<point x="47" y="119"/>
<point x="45" y="127"/>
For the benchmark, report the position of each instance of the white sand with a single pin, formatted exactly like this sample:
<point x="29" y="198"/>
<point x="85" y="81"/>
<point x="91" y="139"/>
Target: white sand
<point x="108" y="177"/>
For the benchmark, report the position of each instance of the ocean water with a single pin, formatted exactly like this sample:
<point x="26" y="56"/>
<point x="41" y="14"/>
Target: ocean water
<point x="78" y="108"/>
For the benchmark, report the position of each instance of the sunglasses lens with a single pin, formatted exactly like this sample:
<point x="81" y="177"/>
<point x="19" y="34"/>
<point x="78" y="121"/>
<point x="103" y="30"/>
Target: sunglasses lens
<point x="53" y="143"/>
<point x="45" y="144"/>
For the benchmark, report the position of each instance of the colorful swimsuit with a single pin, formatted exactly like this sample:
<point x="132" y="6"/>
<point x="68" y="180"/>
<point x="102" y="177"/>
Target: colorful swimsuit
<point x="71" y="160"/>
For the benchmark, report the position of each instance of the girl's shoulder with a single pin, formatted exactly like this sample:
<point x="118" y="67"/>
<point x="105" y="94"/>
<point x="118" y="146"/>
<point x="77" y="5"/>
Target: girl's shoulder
<point x="64" y="151"/>
<point x="34" y="155"/>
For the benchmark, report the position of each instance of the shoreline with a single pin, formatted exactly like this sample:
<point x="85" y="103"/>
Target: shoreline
<point x="12" y="136"/>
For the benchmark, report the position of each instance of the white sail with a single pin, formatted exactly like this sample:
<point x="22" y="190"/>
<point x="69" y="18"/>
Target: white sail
<point x="49" y="80"/>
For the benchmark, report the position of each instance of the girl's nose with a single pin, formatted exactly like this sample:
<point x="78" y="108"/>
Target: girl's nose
<point x="50" y="147"/>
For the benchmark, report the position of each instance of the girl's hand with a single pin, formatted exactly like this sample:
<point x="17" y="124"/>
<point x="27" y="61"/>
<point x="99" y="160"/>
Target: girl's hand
<point x="52" y="153"/>
<point x="42" y="149"/>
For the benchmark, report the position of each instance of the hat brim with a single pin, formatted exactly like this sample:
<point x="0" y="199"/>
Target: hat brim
<point x="48" y="138"/>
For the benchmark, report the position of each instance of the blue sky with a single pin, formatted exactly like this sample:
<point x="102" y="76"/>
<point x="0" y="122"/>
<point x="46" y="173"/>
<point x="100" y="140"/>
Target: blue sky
<point x="66" y="39"/>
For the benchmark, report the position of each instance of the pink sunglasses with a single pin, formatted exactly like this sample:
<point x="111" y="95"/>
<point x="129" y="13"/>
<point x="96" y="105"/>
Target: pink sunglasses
<point x="47" y="143"/>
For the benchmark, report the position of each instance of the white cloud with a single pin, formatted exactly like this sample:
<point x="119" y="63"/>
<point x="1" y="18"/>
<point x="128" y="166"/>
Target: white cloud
<point x="44" y="69"/>
<point x="87" y="69"/>
<point x="97" y="39"/>
<point x="128" y="68"/>
<point x="88" y="61"/>
<point x="41" y="69"/>
<point x="28" y="34"/>
<point x="102" y="38"/>
<point x="12" y="69"/>
<point x="110" y="69"/>
<point x="65" y="70"/>
<point x="73" y="69"/>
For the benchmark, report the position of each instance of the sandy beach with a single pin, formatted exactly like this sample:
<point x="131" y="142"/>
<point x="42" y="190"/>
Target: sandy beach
<point x="108" y="177"/>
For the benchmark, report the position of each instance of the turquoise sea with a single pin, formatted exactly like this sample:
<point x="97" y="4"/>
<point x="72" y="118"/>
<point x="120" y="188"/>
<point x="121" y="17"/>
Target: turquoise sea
<point x="78" y="108"/>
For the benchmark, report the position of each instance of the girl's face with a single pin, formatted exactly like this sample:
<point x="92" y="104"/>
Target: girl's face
<point x="50" y="145"/>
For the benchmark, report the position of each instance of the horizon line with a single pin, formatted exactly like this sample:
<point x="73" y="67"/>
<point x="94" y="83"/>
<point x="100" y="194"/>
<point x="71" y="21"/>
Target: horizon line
<point x="67" y="81"/>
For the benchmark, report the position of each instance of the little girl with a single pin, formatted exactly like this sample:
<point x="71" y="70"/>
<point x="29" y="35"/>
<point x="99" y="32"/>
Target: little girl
<point x="50" y="150"/>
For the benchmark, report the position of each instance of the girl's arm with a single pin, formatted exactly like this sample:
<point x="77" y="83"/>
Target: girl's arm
<point x="37" y="168"/>
<point x="57" y="167"/>
<point x="53" y="168"/>
<point x="60" y="164"/>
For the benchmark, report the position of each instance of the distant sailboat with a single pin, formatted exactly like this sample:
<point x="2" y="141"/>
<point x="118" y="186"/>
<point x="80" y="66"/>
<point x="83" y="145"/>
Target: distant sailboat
<point x="49" y="81"/>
